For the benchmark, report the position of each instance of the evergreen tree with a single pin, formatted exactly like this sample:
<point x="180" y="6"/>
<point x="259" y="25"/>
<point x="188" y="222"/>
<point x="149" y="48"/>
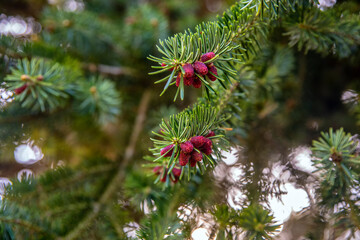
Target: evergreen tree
<point x="262" y="77"/>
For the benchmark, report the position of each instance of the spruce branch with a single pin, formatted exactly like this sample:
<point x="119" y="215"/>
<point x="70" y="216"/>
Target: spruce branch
<point x="188" y="142"/>
<point x="324" y="32"/>
<point x="62" y="196"/>
<point x="28" y="225"/>
<point x="99" y="97"/>
<point x="39" y="85"/>
<point x="45" y="86"/>
<point x="234" y="38"/>
<point x="256" y="222"/>
<point x="84" y="35"/>
<point x="334" y="156"/>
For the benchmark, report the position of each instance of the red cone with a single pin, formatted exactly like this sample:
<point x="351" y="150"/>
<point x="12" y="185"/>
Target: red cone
<point x="189" y="70"/>
<point x="198" y="141"/>
<point x="213" y="70"/>
<point x="164" y="151"/>
<point x="200" y="68"/>
<point x="184" y="158"/>
<point x="207" y="56"/>
<point x="20" y="89"/>
<point x="197" y="82"/>
<point x="196" y="156"/>
<point x="187" y="147"/>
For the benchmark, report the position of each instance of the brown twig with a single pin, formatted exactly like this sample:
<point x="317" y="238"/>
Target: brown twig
<point x="113" y="185"/>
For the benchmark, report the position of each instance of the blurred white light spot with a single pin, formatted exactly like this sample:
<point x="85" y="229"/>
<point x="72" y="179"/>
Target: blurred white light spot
<point x="27" y="173"/>
<point x="200" y="234"/>
<point x="27" y="154"/>
<point x="18" y="26"/>
<point x="54" y="2"/>
<point x="301" y="159"/>
<point x="350" y="96"/>
<point x="130" y="229"/>
<point x="324" y="4"/>
<point x="213" y="5"/>
<point x="72" y="6"/>
<point x="3" y="183"/>
<point x="279" y="172"/>
<point x="6" y="96"/>
<point x="294" y="200"/>
<point x="230" y="157"/>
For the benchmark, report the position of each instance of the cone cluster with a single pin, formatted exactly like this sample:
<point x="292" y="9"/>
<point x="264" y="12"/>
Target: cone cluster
<point x="199" y="67"/>
<point x="191" y="151"/>
<point x="24" y="77"/>
<point x="175" y="174"/>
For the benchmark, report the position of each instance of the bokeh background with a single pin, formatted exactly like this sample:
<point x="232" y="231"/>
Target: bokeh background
<point x="270" y="157"/>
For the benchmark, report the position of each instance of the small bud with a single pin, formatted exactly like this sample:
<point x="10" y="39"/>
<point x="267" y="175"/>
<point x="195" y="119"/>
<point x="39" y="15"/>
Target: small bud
<point x="92" y="67"/>
<point x="164" y="152"/>
<point x="178" y="79"/>
<point x="189" y="70"/>
<point x="196" y="156"/>
<point x="208" y="143"/>
<point x="198" y="141"/>
<point x="130" y="20"/>
<point x="206" y="150"/>
<point x="163" y="178"/>
<point x="210" y="134"/>
<point x="188" y="81"/>
<point x="157" y="170"/>
<point x="197" y="82"/>
<point x="176" y="172"/>
<point x="335" y="157"/>
<point x="40" y="78"/>
<point x="164" y="65"/>
<point x="207" y="56"/>
<point x="192" y="162"/>
<point x="207" y="147"/>
<point x="93" y="90"/>
<point x="184" y="158"/>
<point x="212" y="70"/>
<point x="200" y="68"/>
<point x="187" y="147"/>
<point x="154" y="22"/>
<point x="66" y="23"/>
<point x="20" y="89"/>
<point x="24" y="77"/>
<point x="34" y="37"/>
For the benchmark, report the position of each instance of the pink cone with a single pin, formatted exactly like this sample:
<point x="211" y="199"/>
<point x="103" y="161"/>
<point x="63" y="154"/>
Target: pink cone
<point x="213" y="70"/>
<point x="178" y="79"/>
<point x="187" y="147"/>
<point x="207" y="56"/>
<point x="196" y="156"/>
<point x="165" y="149"/>
<point x="197" y="82"/>
<point x="184" y="158"/>
<point x="200" y="68"/>
<point x="198" y="141"/>
<point x="210" y="134"/>
<point x="189" y="70"/>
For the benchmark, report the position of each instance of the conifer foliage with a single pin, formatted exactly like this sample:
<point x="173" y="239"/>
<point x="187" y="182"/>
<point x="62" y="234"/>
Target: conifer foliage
<point x="241" y="71"/>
